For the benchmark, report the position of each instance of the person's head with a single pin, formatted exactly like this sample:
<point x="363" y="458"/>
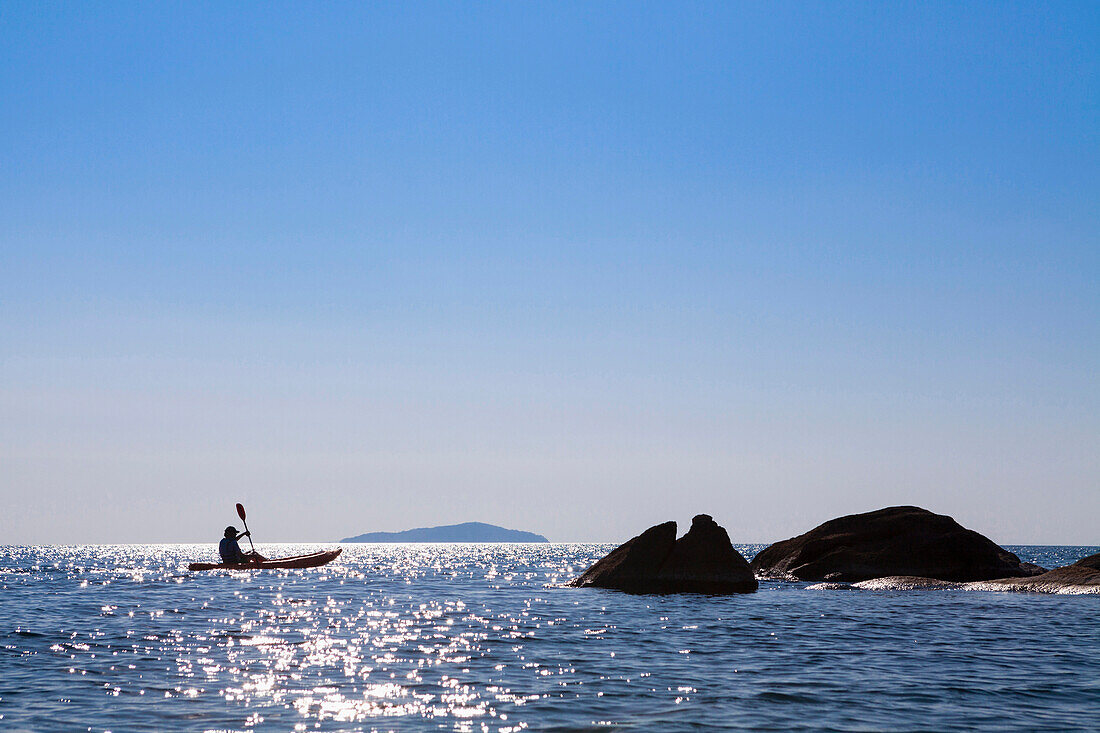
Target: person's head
<point x="231" y="532"/>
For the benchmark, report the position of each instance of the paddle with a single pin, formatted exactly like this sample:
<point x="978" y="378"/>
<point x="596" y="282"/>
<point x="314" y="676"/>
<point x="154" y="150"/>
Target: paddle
<point x="240" y="513"/>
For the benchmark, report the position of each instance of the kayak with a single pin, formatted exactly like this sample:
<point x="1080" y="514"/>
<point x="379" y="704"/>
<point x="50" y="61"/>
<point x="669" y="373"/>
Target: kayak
<point x="312" y="560"/>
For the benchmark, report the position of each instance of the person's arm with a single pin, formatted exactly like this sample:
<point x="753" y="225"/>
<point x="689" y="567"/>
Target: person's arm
<point x="244" y="534"/>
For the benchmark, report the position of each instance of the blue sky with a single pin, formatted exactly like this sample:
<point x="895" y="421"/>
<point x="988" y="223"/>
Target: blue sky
<point x="570" y="268"/>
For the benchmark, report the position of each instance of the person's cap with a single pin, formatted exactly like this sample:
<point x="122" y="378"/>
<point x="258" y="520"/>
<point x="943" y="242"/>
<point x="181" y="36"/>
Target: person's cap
<point x="230" y="531"/>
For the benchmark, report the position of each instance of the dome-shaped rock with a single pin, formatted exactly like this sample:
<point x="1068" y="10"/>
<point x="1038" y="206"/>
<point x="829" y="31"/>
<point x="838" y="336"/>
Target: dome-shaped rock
<point x="902" y="540"/>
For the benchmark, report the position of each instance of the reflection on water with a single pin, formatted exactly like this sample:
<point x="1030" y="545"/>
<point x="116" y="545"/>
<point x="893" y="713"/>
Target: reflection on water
<point x="482" y="637"/>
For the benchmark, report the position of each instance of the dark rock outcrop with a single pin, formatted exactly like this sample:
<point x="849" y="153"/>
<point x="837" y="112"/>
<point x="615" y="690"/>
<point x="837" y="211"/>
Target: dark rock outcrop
<point x="702" y="561"/>
<point x="1082" y="576"/>
<point x="896" y="541"/>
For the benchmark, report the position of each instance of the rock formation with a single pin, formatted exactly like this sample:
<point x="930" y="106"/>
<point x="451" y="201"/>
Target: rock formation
<point x="1082" y="576"/>
<point x="702" y="561"/>
<point x="896" y="541"/>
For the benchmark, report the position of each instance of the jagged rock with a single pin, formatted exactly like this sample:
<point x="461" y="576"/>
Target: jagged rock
<point x="633" y="563"/>
<point x="896" y="541"/>
<point x="702" y="561"/>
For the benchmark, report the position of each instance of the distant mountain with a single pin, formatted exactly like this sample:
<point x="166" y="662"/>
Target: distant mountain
<point x="466" y="532"/>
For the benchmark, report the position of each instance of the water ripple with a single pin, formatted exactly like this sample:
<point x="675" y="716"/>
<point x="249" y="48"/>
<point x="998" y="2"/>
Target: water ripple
<point x="483" y="637"/>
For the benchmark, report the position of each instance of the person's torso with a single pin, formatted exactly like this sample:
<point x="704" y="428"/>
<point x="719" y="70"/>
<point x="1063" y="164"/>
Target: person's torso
<point x="229" y="550"/>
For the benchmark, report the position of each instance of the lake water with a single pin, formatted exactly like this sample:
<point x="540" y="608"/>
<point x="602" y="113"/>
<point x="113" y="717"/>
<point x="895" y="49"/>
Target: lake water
<point x="480" y="638"/>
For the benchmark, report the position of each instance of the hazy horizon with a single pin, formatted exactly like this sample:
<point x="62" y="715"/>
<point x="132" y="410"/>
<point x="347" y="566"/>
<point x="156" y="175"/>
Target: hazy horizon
<point x="571" y="269"/>
<point x="682" y="526"/>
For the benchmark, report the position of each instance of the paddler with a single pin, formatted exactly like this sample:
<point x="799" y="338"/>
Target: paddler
<point x="231" y="552"/>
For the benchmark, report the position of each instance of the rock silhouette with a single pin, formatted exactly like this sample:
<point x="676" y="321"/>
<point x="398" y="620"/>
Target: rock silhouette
<point x="1082" y="576"/>
<point x="896" y="541"/>
<point x="702" y="561"/>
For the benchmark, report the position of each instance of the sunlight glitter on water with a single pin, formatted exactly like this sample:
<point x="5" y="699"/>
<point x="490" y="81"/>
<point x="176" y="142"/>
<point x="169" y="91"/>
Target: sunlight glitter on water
<point x="470" y="638"/>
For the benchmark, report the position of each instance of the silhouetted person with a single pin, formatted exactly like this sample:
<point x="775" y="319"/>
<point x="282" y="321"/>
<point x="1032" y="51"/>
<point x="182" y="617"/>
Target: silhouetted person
<point x="231" y="552"/>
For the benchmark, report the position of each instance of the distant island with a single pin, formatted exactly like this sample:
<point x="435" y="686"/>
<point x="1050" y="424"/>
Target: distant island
<point x="465" y="532"/>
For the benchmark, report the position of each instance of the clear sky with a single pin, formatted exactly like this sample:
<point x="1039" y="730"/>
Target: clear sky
<point x="568" y="268"/>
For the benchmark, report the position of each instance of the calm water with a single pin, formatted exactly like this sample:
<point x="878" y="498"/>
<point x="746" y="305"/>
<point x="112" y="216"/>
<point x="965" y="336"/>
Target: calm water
<point x="477" y="638"/>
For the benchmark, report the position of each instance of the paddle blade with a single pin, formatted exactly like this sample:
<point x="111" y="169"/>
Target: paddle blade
<point x="240" y="511"/>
